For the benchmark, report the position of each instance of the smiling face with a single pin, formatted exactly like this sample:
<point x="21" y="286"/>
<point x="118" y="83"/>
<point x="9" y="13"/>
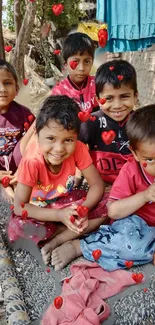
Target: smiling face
<point x="56" y="144"/>
<point x="119" y="101"/>
<point x="8" y="89"/>
<point x="84" y="65"/>
<point x="145" y="153"/>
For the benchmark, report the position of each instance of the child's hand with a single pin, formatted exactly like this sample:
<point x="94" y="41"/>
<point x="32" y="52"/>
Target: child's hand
<point x="14" y="179"/>
<point x="4" y="173"/>
<point x="83" y="224"/>
<point x="64" y="217"/>
<point x="149" y="194"/>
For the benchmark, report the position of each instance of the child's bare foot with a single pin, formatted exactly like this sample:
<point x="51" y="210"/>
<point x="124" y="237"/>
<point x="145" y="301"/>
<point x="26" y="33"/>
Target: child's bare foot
<point x="7" y="194"/>
<point x="65" y="253"/>
<point x="48" y="248"/>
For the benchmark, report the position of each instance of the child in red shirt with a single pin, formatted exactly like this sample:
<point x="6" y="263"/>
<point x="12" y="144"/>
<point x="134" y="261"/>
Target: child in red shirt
<point x="45" y="202"/>
<point x="78" y="54"/>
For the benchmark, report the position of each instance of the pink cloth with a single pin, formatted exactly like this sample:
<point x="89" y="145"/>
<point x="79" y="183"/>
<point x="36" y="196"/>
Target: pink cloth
<point x="83" y="295"/>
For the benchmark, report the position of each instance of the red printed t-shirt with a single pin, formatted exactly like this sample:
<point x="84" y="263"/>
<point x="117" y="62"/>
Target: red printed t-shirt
<point x="107" y="158"/>
<point x="47" y="186"/>
<point x="131" y="180"/>
<point x="85" y="97"/>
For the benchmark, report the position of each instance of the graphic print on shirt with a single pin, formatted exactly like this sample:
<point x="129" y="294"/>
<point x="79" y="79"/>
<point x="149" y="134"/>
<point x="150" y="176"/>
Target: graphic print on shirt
<point x="43" y="195"/>
<point x="8" y="140"/>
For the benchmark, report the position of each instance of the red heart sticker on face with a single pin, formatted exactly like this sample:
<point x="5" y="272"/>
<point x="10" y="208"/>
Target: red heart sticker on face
<point x="5" y="181"/>
<point x="92" y="118"/>
<point x="57" y="9"/>
<point x="72" y="219"/>
<point x="58" y="301"/>
<point x="83" y="116"/>
<point x="8" y="48"/>
<point x="57" y="52"/>
<point x="96" y="254"/>
<point x="144" y="164"/>
<point x="26" y="126"/>
<point x="120" y="77"/>
<point x="82" y="211"/>
<point x="137" y="277"/>
<point x="108" y="136"/>
<point x="24" y="214"/>
<point x="102" y="101"/>
<point x="12" y="207"/>
<point x="25" y="81"/>
<point x="111" y="68"/>
<point x="73" y="64"/>
<point x="30" y="118"/>
<point x="128" y="264"/>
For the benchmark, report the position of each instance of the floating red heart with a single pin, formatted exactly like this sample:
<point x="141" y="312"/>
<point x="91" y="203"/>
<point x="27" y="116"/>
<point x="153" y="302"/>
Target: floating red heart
<point x="102" y="101"/>
<point x="83" y="116"/>
<point x="8" y="48"/>
<point x="102" y="37"/>
<point x="67" y="280"/>
<point x="72" y="219"/>
<point x="120" y="77"/>
<point x="5" y="181"/>
<point x="73" y="64"/>
<point x="82" y="211"/>
<point x="48" y="270"/>
<point x="144" y="164"/>
<point x="22" y="205"/>
<point x="111" y="68"/>
<point x="24" y="214"/>
<point x="58" y="301"/>
<point x="96" y="254"/>
<point x="26" y="126"/>
<point x="130" y="159"/>
<point x="128" y="264"/>
<point x="137" y="277"/>
<point x="25" y="81"/>
<point x="84" y="198"/>
<point x="145" y="289"/>
<point x="92" y="118"/>
<point x="56" y="52"/>
<point x="12" y="207"/>
<point x="57" y="9"/>
<point x="31" y="118"/>
<point x="108" y="136"/>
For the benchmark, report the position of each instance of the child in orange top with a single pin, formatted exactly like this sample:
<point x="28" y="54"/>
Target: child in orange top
<point x="46" y="179"/>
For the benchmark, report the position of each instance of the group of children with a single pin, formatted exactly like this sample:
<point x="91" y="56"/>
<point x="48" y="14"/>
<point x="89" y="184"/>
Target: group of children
<point x="114" y="149"/>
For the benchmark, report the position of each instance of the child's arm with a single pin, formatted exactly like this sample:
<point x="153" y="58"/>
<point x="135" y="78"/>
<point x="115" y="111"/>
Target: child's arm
<point x="22" y="195"/>
<point x="28" y="136"/>
<point x="124" y="207"/>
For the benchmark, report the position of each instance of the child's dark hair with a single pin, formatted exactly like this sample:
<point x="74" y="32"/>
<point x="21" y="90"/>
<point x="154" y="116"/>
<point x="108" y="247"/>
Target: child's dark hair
<point x="7" y="66"/>
<point x="108" y="73"/>
<point x="141" y="126"/>
<point x="62" y="109"/>
<point x="77" y="42"/>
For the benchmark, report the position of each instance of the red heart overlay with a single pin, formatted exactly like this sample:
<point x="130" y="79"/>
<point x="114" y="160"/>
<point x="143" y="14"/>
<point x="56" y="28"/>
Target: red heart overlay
<point x="108" y="136"/>
<point x="137" y="277"/>
<point x="96" y="254"/>
<point x="82" y="211"/>
<point x="83" y="116"/>
<point x="58" y="301"/>
<point x="128" y="264"/>
<point x="57" y="9"/>
<point x="73" y="64"/>
<point x="5" y="181"/>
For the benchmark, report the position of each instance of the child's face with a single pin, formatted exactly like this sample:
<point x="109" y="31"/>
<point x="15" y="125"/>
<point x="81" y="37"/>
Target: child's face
<point x="83" y="68"/>
<point x="8" y="89"/>
<point x="145" y="152"/>
<point x="56" y="144"/>
<point x="119" y="101"/>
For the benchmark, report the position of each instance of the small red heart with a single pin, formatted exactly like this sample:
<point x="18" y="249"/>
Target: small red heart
<point x="83" y="116"/>
<point x="67" y="280"/>
<point x="145" y="289"/>
<point x="5" y="181"/>
<point x="12" y="207"/>
<point x="92" y="118"/>
<point x="108" y="136"/>
<point x="73" y="64"/>
<point x="144" y="164"/>
<point x="130" y="159"/>
<point x="103" y="34"/>
<point x="48" y="270"/>
<point x="96" y="254"/>
<point x="24" y="214"/>
<point x="137" y="277"/>
<point x="26" y="126"/>
<point x="72" y="219"/>
<point x="31" y="118"/>
<point x="84" y="198"/>
<point x="102" y="101"/>
<point x="82" y="211"/>
<point x="25" y="81"/>
<point x="56" y="52"/>
<point x="8" y="48"/>
<point x="111" y="68"/>
<point x="22" y="205"/>
<point x="58" y="301"/>
<point x="128" y="264"/>
<point x="57" y="9"/>
<point x="120" y="77"/>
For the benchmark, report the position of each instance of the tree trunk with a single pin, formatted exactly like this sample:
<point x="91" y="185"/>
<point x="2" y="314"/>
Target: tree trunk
<point x="2" y="52"/>
<point x="23" y="38"/>
<point x="17" y="17"/>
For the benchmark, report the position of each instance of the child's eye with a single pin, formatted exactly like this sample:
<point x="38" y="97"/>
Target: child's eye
<point x="108" y="98"/>
<point x="69" y="140"/>
<point x="150" y="160"/>
<point x="125" y="96"/>
<point x="50" y="138"/>
<point x="8" y="83"/>
<point x="87" y="61"/>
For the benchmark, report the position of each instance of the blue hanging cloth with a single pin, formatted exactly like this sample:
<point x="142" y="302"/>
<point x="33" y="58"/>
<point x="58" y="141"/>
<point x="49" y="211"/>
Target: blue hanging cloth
<point x="131" y="24"/>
